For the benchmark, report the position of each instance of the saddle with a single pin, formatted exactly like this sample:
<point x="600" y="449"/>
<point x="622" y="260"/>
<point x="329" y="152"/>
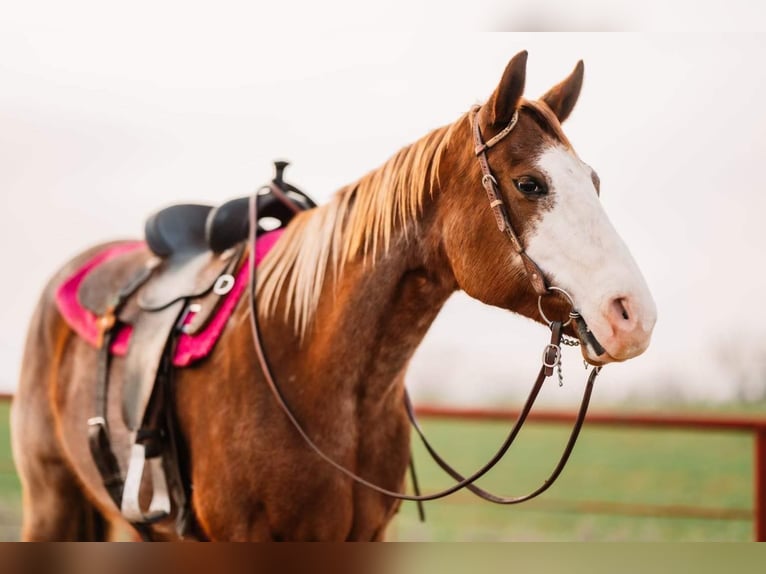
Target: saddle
<point x="172" y="288"/>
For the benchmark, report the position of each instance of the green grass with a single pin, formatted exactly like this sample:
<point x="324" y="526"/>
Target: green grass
<point x="708" y="470"/>
<point x="627" y="466"/>
<point x="10" y="489"/>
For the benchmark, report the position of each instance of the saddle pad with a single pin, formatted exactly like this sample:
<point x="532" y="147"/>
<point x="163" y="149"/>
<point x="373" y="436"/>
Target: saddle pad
<point x="190" y="348"/>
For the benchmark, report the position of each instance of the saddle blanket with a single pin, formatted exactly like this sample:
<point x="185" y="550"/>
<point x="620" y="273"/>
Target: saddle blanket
<point x="190" y="348"/>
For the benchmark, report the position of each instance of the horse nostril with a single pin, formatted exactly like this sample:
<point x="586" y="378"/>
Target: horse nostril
<point x="624" y="310"/>
<point x="620" y="309"/>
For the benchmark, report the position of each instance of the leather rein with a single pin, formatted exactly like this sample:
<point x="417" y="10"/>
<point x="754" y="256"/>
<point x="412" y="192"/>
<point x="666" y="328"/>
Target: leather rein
<point x="550" y="361"/>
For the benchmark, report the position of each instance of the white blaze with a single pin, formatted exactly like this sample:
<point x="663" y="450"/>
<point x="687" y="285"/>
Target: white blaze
<point x="579" y="250"/>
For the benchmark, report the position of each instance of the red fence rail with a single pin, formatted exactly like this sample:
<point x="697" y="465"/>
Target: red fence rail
<point x="755" y="426"/>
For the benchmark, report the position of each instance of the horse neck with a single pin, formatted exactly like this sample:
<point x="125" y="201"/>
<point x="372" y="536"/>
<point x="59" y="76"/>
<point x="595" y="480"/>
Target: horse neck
<point x="369" y="324"/>
<point x="370" y="317"/>
<point x="373" y="316"/>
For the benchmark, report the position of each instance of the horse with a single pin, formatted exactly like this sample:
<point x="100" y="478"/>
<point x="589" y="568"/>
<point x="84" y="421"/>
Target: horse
<point x="343" y="300"/>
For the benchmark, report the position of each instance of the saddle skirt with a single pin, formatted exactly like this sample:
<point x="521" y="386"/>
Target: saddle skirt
<point x="191" y="347"/>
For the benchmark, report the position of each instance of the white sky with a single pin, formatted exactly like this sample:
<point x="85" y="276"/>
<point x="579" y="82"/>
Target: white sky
<point x="107" y="115"/>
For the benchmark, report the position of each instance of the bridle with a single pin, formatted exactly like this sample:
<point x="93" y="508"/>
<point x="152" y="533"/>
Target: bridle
<point x="551" y="356"/>
<point x="501" y="212"/>
<point x="496" y="202"/>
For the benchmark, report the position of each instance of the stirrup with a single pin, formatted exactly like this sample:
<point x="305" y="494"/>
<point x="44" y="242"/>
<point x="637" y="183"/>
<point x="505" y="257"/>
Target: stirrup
<point x="159" y="507"/>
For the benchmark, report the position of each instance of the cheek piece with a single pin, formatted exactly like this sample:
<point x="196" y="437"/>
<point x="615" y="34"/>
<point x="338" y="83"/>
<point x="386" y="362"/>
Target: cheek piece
<point x="501" y="211"/>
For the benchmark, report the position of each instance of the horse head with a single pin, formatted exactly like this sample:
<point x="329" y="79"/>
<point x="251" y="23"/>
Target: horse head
<point x="551" y="200"/>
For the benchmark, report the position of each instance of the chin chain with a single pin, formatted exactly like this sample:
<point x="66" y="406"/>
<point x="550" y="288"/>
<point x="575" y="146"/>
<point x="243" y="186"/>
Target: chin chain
<point x="568" y="341"/>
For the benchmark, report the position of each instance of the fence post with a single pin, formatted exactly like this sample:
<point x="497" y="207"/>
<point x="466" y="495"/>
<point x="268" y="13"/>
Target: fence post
<point x="759" y="473"/>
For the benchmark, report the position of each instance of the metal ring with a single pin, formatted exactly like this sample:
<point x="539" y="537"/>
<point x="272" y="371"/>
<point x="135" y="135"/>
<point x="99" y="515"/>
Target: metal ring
<point x="574" y="314"/>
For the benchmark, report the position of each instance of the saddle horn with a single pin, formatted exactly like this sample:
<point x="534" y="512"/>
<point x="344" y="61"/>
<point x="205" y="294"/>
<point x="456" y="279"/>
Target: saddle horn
<point x="228" y="223"/>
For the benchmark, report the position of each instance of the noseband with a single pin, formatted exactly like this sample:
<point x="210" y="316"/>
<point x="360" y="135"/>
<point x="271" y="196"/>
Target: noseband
<point x="551" y="359"/>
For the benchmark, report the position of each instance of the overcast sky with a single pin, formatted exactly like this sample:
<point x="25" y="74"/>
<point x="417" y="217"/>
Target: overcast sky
<point x="106" y="118"/>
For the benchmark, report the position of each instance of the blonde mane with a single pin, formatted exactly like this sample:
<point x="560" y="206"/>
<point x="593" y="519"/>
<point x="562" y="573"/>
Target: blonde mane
<point x="361" y="220"/>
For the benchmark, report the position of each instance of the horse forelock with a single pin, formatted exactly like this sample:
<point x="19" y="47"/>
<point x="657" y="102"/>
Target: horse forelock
<point x="362" y="220"/>
<point x="546" y="119"/>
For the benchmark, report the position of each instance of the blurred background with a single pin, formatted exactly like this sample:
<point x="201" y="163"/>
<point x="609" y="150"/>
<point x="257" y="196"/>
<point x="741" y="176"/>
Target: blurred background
<point x="108" y="113"/>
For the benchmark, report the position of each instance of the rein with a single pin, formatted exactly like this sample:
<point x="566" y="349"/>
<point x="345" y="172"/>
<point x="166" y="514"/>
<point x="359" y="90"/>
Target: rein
<point x="550" y="361"/>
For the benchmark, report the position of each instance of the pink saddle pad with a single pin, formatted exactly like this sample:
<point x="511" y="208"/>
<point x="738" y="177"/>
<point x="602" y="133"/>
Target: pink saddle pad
<point x="190" y="348"/>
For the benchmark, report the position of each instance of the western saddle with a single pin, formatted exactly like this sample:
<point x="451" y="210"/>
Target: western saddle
<point x="176" y="288"/>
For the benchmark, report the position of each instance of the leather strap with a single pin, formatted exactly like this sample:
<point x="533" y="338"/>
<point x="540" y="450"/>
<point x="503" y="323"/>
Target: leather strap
<point x="99" y="440"/>
<point x="498" y="205"/>
<point x="416" y="488"/>
<point x="282" y="197"/>
<point x="480" y="492"/>
<point x="501" y="212"/>
<point x="149" y="341"/>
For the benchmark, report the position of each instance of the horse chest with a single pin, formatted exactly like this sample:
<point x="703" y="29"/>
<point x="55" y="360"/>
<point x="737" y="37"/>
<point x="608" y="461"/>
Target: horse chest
<point x="269" y="486"/>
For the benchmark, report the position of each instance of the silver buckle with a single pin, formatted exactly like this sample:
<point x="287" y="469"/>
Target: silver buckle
<point x="557" y="355"/>
<point x="488" y="178"/>
<point x="192" y="309"/>
<point x="97" y="422"/>
<point x="223" y="284"/>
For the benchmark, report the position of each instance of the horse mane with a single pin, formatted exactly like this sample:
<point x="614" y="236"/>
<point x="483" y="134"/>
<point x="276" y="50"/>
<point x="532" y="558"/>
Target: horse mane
<point x="361" y="220"/>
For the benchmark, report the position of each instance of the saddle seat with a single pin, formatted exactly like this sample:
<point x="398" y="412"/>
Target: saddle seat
<point x="183" y="228"/>
<point x="193" y="251"/>
<point x="177" y="228"/>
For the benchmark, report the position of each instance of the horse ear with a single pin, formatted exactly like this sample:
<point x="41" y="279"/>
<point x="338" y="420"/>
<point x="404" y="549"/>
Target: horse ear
<point x="505" y="99"/>
<point x="562" y="97"/>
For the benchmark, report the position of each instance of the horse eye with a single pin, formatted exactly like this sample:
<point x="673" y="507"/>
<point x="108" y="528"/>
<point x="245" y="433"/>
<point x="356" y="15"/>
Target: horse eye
<point x="530" y="186"/>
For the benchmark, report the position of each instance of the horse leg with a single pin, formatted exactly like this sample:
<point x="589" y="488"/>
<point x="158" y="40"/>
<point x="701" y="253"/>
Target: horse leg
<point x="55" y="508"/>
<point x="54" y="504"/>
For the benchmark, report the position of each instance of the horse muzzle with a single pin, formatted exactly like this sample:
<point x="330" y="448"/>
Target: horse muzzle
<point x="623" y="331"/>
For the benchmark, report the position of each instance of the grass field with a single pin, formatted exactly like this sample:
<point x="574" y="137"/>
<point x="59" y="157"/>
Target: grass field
<point x="711" y="470"/>
<point x="10" y="490"/>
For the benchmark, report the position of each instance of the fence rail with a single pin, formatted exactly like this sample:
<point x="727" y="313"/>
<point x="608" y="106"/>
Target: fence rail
<point x="754" y="426"/>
